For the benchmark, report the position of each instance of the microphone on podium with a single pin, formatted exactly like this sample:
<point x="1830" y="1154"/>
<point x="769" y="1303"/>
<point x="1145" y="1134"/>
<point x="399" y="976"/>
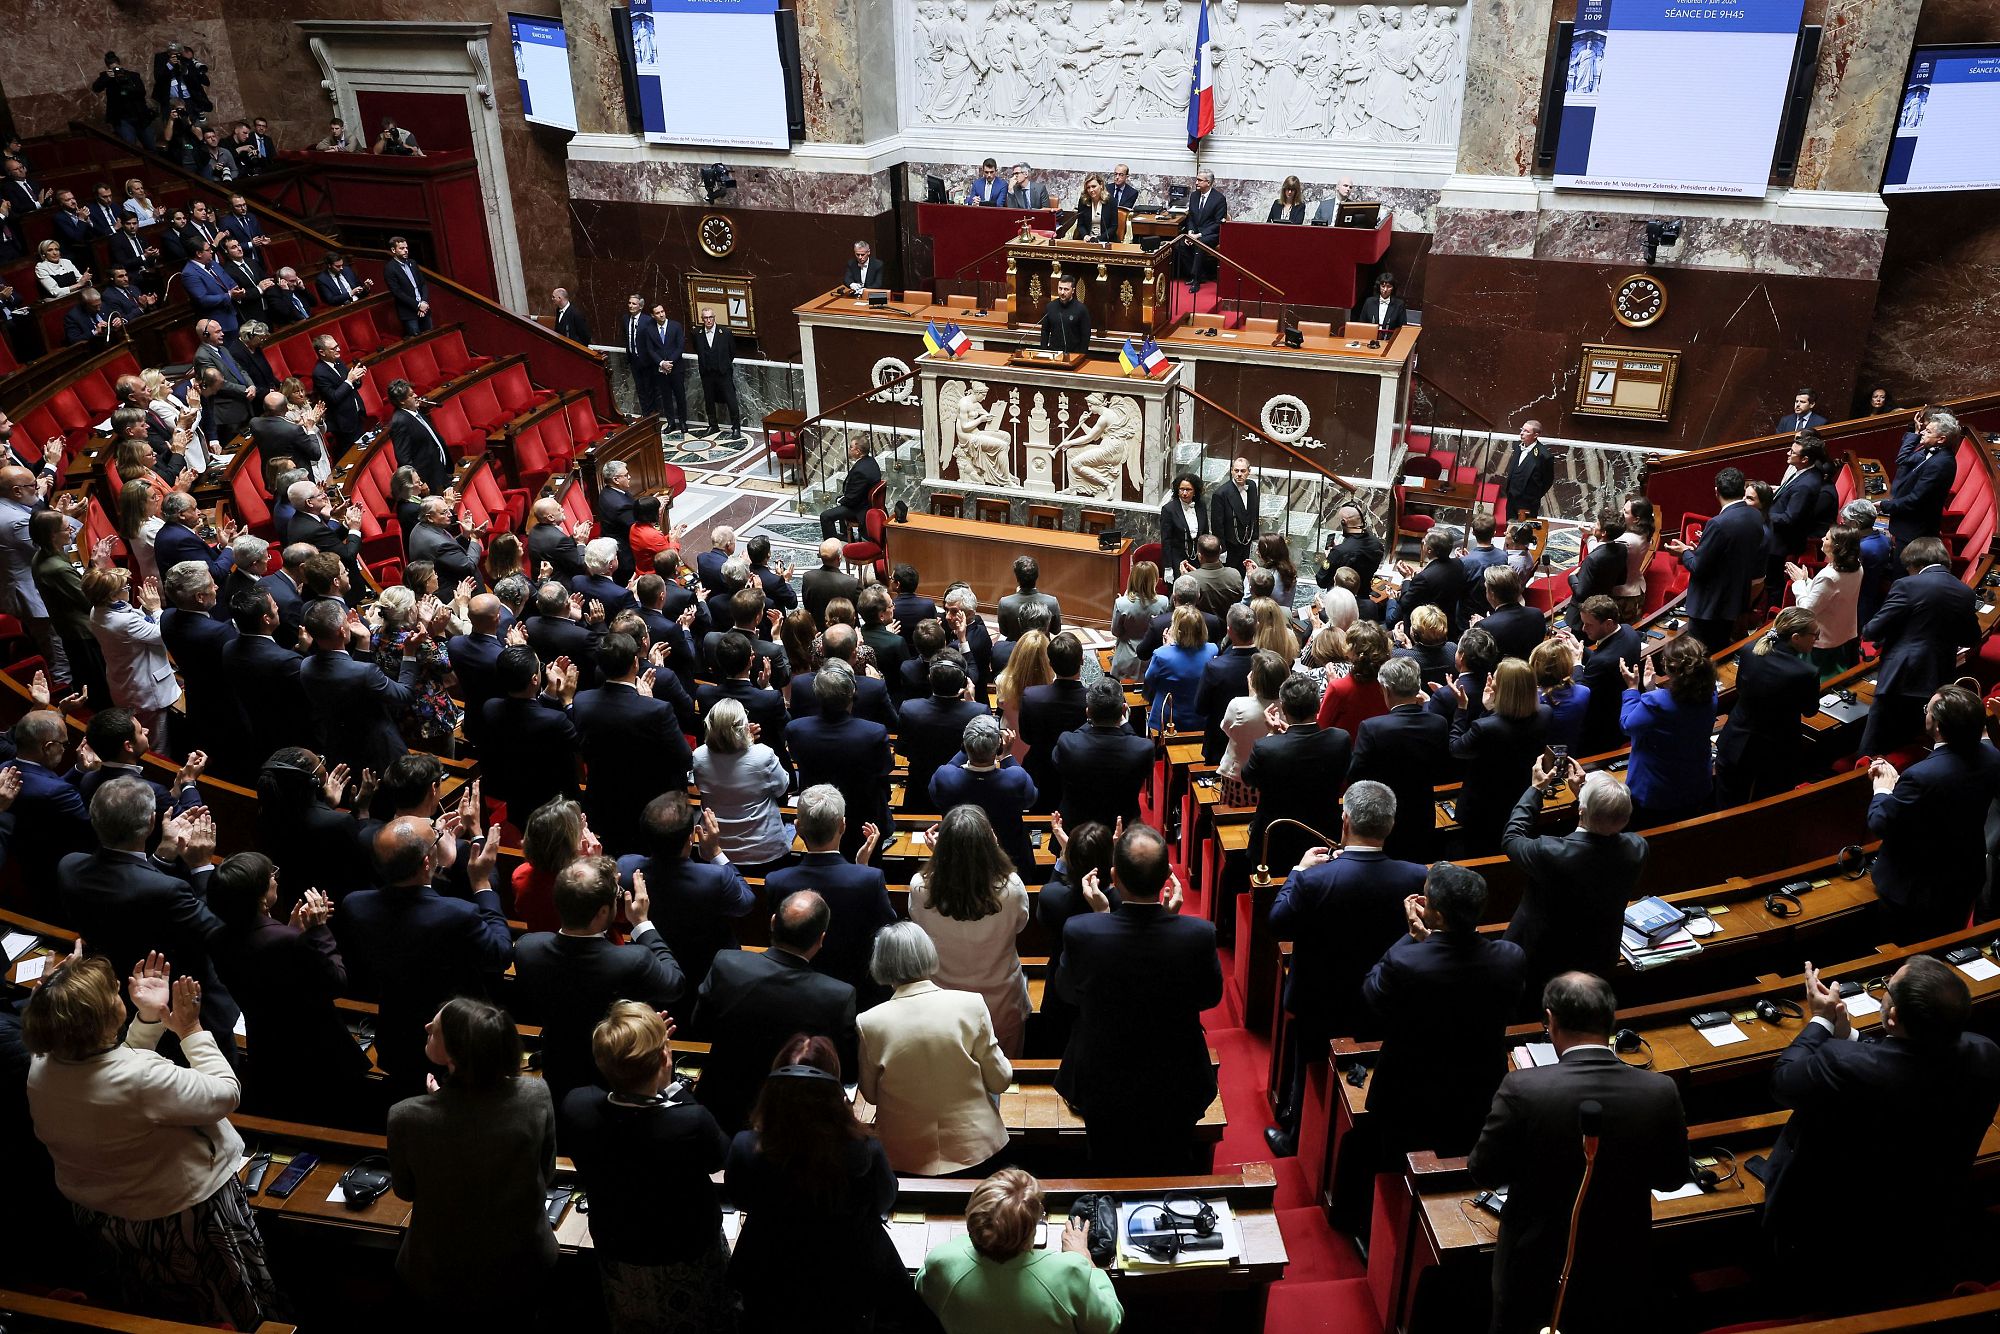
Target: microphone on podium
<point x="1590" y="1120"/>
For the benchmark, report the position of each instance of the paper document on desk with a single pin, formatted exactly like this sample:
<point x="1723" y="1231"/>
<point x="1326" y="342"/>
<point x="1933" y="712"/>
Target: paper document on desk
<point x="1723" y="1035"/>
<point x="1861" y="1005"/>
<point x="17" y="943"/>
<point x="30" y="969"/>
<point x="913" y="1243"/>
<point x="1687" y="1192"/>
<point x="1980" y="969"/>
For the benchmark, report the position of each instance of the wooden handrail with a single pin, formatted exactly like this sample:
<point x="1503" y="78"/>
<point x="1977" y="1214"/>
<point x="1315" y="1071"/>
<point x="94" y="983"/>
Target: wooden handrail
<point x="818" y="420"/>
<point x="1188" y="238"/>
<point x="1265" y="436"/>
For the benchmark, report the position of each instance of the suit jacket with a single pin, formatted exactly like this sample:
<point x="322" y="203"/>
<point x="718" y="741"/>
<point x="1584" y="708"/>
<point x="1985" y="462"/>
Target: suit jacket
<point x="859" y="900"/>
<point x="528" y="755"/>
<point x="1105" y="219"/>
<point x="1923" y="622"/>
<point x="1392" y="316"/>
<point x="863" y="476"/>
<point x="694" y="904"/>
<point x="1033" y="195"/>
<point x="1795" y="514"/>
<point x="871" y="700"/>
<point x="571" y="324"/>
<point x="1721" y="568"/>
<point x="412" y="949"/>
<point x="552" y="543"/>
<point x="1229" y="520"/>
<point x="1793" y="421"/>
<point x="1125" y="196"/>
<point x="748" y="1007"/>
<point x="1010" y="607"/>
<point x="338" y="289"/>
<point x="1341" y="916"/>
<point x="81" y="325"/>
<point x="1047" y="712"/>
<point x="1408" y="749"/>
<point x="1297" y="775"/>
<point x="284" y="306"/>
<point x="1443" y="1004"/>
<point x="1599" y="671"/>
<point x="242" y="273"/>
<point x="1176" y="542"/>
<point x="1494" y="754"/>
<point x="909" y="608"/>
<point x="615" y="512"/>
<point x="761" y="705"/>
<point x="345" y="420"/>
<point x="473" y="660"/>
<point x="1531" y="1144"/>
<point x="1103" y="769"/>
<point x="129" y="252"/>
<point x="1139" y="977"/>
<point x="444" y="549"/>
<point x="931" y="1062"/>
<point x="1573" y="898"/>
<point x="658" y="344"/>
<point x="286" y="981"/>
<point x="1225" y="677"/>
<point x="1920" y="489"/>
<point x="176" y="542"/>
<point x="1601" y="570"/>
<point x="131" y="904"/>
<point x="852" y="754"/>
<point x="1205" y="215"/>
<point x="1529" y="479"/>
<point x="419" y="446"/>
<point x="406" y="286"/>
<point x="1361" y="552"/>
<point x="718" y="361"/>
<point x="276" y="435"/>
<point x="1763" y="743"/>
<point x="51" y="821"/>
<point x="985" y="192"/>
<point x="856" y="276"/>
<point x="566" y="983"/>
<point x="265" y="676"/>
<point x="930" y="733"/>
<point x="634" y="748"/>
<point x="1440" y="584"/>
<point x="1932" y="828"/>
<point x="1519" y="629"/>
<point x="358" y="711"/>
<point x="214" y="717"/>
<point x="291" y="603"/>
<point x="823" y="586"/>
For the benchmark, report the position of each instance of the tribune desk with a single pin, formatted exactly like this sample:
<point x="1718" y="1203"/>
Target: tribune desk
<point x="1078" y="573"/>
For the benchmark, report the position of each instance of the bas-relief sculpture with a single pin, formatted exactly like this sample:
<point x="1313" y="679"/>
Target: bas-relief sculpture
<point x="1355" y="73"/>
<point x="1049" y="442"/>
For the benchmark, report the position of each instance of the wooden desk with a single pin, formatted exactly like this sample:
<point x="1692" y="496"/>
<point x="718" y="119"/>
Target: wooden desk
<point x="1075" y="571"/>
<point x="1123" y="287"/>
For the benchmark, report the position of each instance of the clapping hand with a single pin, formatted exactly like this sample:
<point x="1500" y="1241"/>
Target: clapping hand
<point x="1094" y="896"/>
<point x="638" y="903"/>
<point x="709" y="832"/>
<point x="311" y="911"/>
<point x="1630" y="672"/>
<point x="10" y="786"/>
<point x="149" y="596"/>
<point x="1171" y="900"/>
<point x="871" y="836"/>
<point x="1882" y="775"/>
<point x="1795" y="572"/>
<point x="1824" y="1002"/>
<point x="149" y="989"/>
<point x="336" y="784"/>
<point x="86" y="758"/>
<point x="197" y="763"/>
<point x="1415" y="907"/>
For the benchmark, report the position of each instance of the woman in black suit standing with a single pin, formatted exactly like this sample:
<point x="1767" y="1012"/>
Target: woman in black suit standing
<point x="1182" y="519"/>
<point x="1762" y="749"/>
<point x="1497" y="752"/>
<point x="1097" y="218"/>
<point x="1290" y="205"/>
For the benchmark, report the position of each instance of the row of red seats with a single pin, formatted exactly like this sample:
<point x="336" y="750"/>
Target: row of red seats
<point x="73" y="410"/>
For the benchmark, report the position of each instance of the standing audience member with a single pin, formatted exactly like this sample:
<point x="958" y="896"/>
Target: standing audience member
<point x="970" y="901"/>
<point x="1575" y="888"/>
<point x="856" y="894"/>
<point x="1670" y="725"/>
<point x="1926" y="466"/>
<point x="1762" y="750"/>
<point x="1833" y="596"/>
<point x="1727" y="560"/>
<point x="1926" y="618"/>
<point x="850" y="753"/>
<point x="742" y="783"/>
<point x="700" y="893"/>
<point x="996" y="785"/>
<point x="1104" y="765"/>
<point x="1496" y="751"/>
<point x="1406" y="749"/>
<point x="1174" y="675"/>
<point x="1605" y="650"/>
<point x="1290" y="771"/>
<point x="1931" y="820"/>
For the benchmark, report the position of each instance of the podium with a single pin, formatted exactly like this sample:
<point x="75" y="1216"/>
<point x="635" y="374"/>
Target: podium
<point x="1123" y="287"/>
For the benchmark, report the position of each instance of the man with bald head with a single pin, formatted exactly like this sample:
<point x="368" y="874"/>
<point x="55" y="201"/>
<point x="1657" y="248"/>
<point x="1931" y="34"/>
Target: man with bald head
<point x="475" y="658"/>
<point x="20" y="497"/>
<point x="412" y="948"/>
<point x="456" y="555"/>
<point x="549" y="541"/>
<point x="751" y="1004"/>
<point x="829" y="581"/>
<point x="276" y="434"/>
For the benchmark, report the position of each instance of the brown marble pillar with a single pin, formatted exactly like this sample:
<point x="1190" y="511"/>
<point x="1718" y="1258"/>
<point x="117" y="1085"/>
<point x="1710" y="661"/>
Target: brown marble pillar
<point x="1856" y="93"/>
<point x="1506" y="47"/>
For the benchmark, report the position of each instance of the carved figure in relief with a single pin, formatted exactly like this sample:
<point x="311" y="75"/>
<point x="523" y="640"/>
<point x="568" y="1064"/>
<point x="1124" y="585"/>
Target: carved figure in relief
<point x="1107" y="439"/>
<point x="1168" y="54"/>
<point x="1116" y="70"/>
<point x="976" y="440"/>
<point x="930" y="51"/>
<point x="1070" y="49"/>
<point x="1274" y="52"/>
<point x="1226" y="54"/>
<point x="1307" y="112"/>
<point x="1358" y="68"/>
<point x="958" y="79"/>
<point x="1389" y="100"/>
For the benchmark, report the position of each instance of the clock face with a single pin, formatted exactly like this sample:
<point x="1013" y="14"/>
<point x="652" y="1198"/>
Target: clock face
<point x="1639" y="300"/>
<point x="718" y="235"/>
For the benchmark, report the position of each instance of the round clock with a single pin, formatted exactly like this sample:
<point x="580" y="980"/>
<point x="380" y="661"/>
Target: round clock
<point x="718" y="235"/>
<point x="1639" y="300"/>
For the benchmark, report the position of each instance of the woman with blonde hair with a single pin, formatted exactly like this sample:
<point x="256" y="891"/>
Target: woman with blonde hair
<point x="432" y="716"/>
<point x="970" y="901"/>
<point x="997" y="1275"/>
<point x="138" y="202"/>
<point x="1429" y="642"/>
<point x="742" y="784"/>
<point x="1274" y="628"/>
<point x="1027" y="665"/>
<point x="840" y="611"/>
<point x="1554" y="665"/>
<point x="57" y="275"/>
<point x="1097" y="217"/>
<point x="1324" y="658"/>
<point x="1132" y="616"/>
<point x="1495" y="752"/>
<point x="1290" y="205"/>
<point x="1173" y="676"/>
<point x="139" y="522"/>
<point x="308" y="416"/>
<point x="1762" y="750"/>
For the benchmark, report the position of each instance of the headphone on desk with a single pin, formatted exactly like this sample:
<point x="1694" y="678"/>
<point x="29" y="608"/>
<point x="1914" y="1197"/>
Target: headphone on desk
<point x="1179" y="1213"/>
<point x="1853" y="862"/>
<point x="1783" y="903"/>
<point x="1708" y="1178"/>
<point x="1775" y="1011"/>
<point x="1626" y="1041"/>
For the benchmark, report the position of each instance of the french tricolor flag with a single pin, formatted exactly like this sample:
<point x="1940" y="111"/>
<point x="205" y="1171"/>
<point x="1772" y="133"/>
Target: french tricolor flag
<point x="1201" y="90"/>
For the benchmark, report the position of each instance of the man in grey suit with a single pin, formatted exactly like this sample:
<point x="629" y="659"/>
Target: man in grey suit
<point x="456" y="555"/>
<point x="1024" y="191"/>
<point x="1026" y="573"/>
<point x="20" y="497"/>
<point x="1220" y="585"/>
<point x="212" y="354"/>
<point x="276" y="434"/>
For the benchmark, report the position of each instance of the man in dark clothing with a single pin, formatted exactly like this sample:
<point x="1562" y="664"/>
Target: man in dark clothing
<point x="1576" y="888"/>
<point x="864" y="474"/>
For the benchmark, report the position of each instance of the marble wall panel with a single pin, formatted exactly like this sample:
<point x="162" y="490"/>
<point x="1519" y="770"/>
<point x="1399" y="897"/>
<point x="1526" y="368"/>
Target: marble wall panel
<point x="1863" y="55"/>
<point x="53" y="53"/>
<point x="779" y="189"/>
<point x="593" y="68"/>
<point x="831" y="73"/>
<point x="1503" y="81"/>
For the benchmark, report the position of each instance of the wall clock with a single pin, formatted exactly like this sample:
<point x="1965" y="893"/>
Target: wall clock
<point x="1639" y="300"/>
<point x="717" y="235"/>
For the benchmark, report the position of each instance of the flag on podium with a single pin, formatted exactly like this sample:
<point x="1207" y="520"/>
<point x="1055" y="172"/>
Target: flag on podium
<point x="1152" y="360"/>
<point x="956" y="342"/>
<point x="1128" y="358"/>
<point x="933" y="338"/>
<point x="1201" y="89"/>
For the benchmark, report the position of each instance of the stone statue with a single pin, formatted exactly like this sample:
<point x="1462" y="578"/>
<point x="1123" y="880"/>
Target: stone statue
<point x="1107" y="438"/>
<point x="974" y="436"/>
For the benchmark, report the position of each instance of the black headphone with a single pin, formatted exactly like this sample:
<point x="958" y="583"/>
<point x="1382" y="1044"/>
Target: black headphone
<point x="1179" y="1213"/>
<point x="1708" y="1178"/>
<point x="1783" y="903"/>
<point x="1773" y="1011"/>
<point x="1626" y="1041"/>
<point x="1853" y="862"/>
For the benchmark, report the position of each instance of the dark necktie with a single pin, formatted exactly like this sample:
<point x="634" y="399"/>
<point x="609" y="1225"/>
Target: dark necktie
<point x="235" y="371"/>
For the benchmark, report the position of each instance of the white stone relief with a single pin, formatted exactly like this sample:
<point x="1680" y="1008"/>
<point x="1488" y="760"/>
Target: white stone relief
<point x="1384" y="74"/>
<point x="1108" y="437"/>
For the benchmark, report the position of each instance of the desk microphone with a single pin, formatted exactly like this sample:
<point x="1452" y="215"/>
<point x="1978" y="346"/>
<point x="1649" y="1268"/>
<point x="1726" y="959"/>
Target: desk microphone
<point x="1590" y="1120"/>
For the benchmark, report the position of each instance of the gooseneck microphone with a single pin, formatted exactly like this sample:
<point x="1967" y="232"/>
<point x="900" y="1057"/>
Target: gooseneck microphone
<point x="1590" y="1120"/>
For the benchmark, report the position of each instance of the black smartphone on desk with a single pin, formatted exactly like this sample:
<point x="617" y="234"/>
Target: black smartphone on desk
<point x="295" y="1172"/>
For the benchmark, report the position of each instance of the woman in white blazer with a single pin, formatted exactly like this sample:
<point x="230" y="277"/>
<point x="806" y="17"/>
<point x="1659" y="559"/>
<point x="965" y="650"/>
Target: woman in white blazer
<point x="135" y="660"/>
<point x="930" y="1063"/>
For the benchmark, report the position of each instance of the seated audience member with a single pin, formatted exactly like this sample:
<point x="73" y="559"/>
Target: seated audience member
<point x="979" y="775"/>
<point x="814" y="1187"/>
<point x="930" y="1063"/>
<point x="855" y="893"/>
<point x="142" y="1147"/>
<point x="644" y="1152"/>
<point x="1407" y="749"/>
<point x="563" y="980"/>
<point x="412" y="948"/>
<point x="1495" y="752"/>
<point x="1175" y="673"/>
<point x="1931" y="820"/>
<point x="1442" y="997"/>
<point x="1574" y="889"/>
<point x="1762" y="750"/>
<point x="1925" y="619"/>
<point x="742" y="784"/>
<point x="633" y="743"/>
<point x="1530" y="1144"/>
<point x="1104" y="766"/>
<point x="1295" y="773"/>
<point x="847" y="752"/>
<point x="971" y="902"/>
<point x="697" y="899"/>
<point x="286" y="977"/>
<point x="1140" y="975"/>
<point x="998" y="1276"/>
<point x="864" y="474"/>
<point x="1670" y="727"/>
<point x="750" y="1005"/>
<point x="932" y="728"/>
<point x="474" y="1158"/>
<point x="1352" y="698"/>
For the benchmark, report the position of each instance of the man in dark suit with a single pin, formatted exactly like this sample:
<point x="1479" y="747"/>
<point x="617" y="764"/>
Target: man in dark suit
<point x="1575" y="888"/>
<point x="1187" y="593"/>
<point x="334" y="381"/>
<point x="265" y="675"/>
<point x="123" y="298"/>
<point x="1234" y="513"/>
<point x="1384" y="310"/>
<point x="1533" y="1143"/>
<point x="337" y="284"/>
<point x="475" y="660"/>
<point x="633" y="744"/>
<point x="287" y="301"/>
<point x="529" y="754"/>
<point x="829" y="581"/>
<point x="1296" y="770"/>
<point x="762" y="705"/>
<point x="931" y="726"/>
<point x="1121" y="191"/>
<point x="1207" y="210"/>
<point x="850" y="753"/>
<point x="1140" y="975"/>
<point x="662" y="342"/>
<point x="130" y="251"/>
<point x="417" y="442"/>
<point x="1024" y="191"/>
<point x="715" y="357"/>
<point x="637" y="328"/>
<point x="177" y="541"/>
<point x="569" y="321"/>
<point x="1801" y="506"/>
<point x="1102" y="765"/>
<point x="456" y="555"/>
<point x="1358" y="549"/>
<point x="250" y="281"/>
<point x="1531" y="471"/>
<point x="1604" y="648"/>
<point x="286" y="585"/>
<point x="407" y="286"/>
<point x="1440" y="583"/>
<point x="1049" y="711"/>
<point x="1027" y="573"/>
<point x="1406" y="750"/>
<point x="863" y="271"/>
<point x="411" y="948"/>
<point x="277" y="435"/>
<point x="313" y="523"/>
<point x="751" y="1004"/>
<point x="855" y="893"/>
<point x="1805" y="414"/>
<point x="126" y="904"/>
<point x="871" y="694"/>
<point x="1601" y="569"/>
<point x="213" y="722"/>
<point x="616" y="510"/>
<point x="51" y="820"/>
<point x="1931" y="820"/>
<point x="565" y="980"/>
<point x="1928" y="616"/>
<point x="1728" y="558"/>
<point x="1443" y="996"/>
<point x="1342" y="910"/>
<point x="88" y="319"/>
<point x="1226" y="677"/>
<point x="564" y="627"/>
<point x="357" y="710"/>
<point x="1926" y="466"/>
<point x="907" y="607"/>
<point x="987" y="188"/>
<point x="1518" y="629"/>
<point x="549" y="540"/>
<point x="698" y="898"/>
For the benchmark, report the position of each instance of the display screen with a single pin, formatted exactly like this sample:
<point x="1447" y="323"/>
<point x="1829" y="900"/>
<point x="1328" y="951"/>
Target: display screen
<point x="1672" y="97"/>
<point x="1948" y="124"/>
<point x="541" y="62"/>
<point x="709" y="72"/>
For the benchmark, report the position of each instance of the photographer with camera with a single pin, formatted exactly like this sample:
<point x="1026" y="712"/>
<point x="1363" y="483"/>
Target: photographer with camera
<point x="179" y="77"/>
<point x="179" y="140"/>
<point x="125" y="109"/>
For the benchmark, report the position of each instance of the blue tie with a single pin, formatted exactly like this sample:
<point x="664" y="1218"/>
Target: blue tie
<point x="234" y="370"/>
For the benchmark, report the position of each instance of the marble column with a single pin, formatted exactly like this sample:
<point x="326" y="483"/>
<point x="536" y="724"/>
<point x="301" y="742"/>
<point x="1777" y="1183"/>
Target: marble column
<point x="1856" y="93"/>
<point x="594" y="72"/>
<point x="1506" y="48"/>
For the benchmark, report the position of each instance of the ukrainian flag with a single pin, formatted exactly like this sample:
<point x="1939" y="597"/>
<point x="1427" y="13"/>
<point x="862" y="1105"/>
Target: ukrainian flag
<point x="1129" y="358"/>
<point x="934" y="339"/>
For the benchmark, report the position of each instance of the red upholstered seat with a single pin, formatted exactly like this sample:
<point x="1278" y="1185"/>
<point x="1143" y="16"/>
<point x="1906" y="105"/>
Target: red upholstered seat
<point x="531" y="455"/>
<point x="868" y="551"/>
<point x="448" y="420"/>
<point x="96" y="394"/>
<point x="1665" y="578"/>
<point x="482" y="409"/>
<point x="676" y="479"/>
<point x="373" y="401"/>
<point x="576" y="507"/>
<point x="515" y="393"/>
<point x="68" y="410"/>
<point x="584" y="428"/>
<point x="358" y="334"/>
<point x="782" y="445"/>
<point x="452" y="357"/>
<point x="1426" y="466"/>
<point x="97" y="526"/>
<point x="420" y="368"/>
